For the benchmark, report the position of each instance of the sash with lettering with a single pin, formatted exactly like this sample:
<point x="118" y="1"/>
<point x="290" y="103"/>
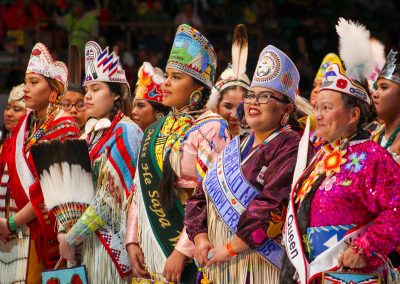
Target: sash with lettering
<point x="328" y="259"/>
<point x="166" y="225"/>
<point x="231" y="193"/>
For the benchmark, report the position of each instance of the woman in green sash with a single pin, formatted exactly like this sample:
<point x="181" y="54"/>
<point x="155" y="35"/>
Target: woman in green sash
<point x="176" y="152"/>
<point x="236" y="216"/>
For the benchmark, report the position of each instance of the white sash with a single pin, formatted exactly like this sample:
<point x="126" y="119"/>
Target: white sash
<point x="25" y="175"/>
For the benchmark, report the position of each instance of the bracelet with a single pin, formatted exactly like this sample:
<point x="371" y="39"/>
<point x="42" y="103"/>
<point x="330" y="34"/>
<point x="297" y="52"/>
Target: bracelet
<point x="11" y="225"/>
<point x="230" y="250"/>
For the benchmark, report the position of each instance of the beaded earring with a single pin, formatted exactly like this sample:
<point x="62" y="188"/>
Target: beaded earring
<point x="195" y="97"/>
<point x="285" y="119"/>
<point x="53" y="96"/>
<point x="159" y="115"/>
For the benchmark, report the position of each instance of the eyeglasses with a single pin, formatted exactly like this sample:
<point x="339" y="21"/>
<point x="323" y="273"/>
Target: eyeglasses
<point x="261" y="98"/>
<point x="79" y="106"/>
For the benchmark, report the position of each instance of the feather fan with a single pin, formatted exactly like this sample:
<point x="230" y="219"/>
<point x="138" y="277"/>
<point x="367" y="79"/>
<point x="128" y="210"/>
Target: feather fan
<point x="65" y="177"/>
<point x="355" y="49"/>
<point x="239" y="50"/>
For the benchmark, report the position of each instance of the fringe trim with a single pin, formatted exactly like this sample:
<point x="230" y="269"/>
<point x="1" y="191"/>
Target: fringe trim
<point x="14" y="259"/>
<point x="154" y="257"/>
<point x="100" y="267"/>
<point x="248" y="264"/>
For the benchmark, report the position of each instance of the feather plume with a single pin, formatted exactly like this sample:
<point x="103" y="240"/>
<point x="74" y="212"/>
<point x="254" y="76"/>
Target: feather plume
<point x="239" y="50"/>
<point x="65" y="177"/>
<point x="74" y="66"/>
<point x="378" y="52"/>
<point x="355" y="49"/>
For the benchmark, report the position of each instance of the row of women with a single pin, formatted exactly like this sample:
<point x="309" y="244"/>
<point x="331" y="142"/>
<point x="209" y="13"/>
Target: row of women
<point x="193" y="198"/>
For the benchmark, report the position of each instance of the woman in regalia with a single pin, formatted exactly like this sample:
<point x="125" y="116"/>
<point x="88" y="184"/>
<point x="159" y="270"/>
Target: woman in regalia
<point x="114" y="142"/>
<point x="29" y="229"/>
<point x="343" y="211"/>
<point x="175" y="154"/>
<point x="236" y="215"/>
<point x="233" y="83"/>
<point x="387" y="104"/>
<point x="147" y="104"/>
<point x="14" y="111"/>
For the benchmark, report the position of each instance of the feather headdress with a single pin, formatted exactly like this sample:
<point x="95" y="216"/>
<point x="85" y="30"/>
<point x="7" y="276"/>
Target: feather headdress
<point x="239" y="51"/>
<point x="235" y="74"/>
<point x="356" y="53"/>
<point x="355" y="50"/>
<point x="378" y="51"/>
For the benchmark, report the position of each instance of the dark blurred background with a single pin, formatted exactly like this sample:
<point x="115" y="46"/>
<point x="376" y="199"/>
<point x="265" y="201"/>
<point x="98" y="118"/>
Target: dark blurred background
<point x="144" y="30"/>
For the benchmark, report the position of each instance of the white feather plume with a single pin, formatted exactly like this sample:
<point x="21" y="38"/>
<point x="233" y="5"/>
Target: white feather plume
<point x="378" y="52"/>
<point x="355" y="49"/>
<point x="239" y="50"/>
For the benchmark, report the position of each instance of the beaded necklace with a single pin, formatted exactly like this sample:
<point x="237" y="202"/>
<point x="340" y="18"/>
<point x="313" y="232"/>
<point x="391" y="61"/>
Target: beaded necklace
<point x="39" y="133"/>
<point x="172" y="133"/>
<point x="391" y="138"/>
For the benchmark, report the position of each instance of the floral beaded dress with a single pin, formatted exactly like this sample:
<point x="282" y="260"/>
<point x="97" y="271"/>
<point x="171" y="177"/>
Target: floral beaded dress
<point x="19" y="185"/>
<point x="361" y="188"/>
<point x="113" y="150"/>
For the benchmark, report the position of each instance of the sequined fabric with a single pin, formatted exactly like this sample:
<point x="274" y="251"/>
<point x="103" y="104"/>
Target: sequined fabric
<point x="366" y="190"/>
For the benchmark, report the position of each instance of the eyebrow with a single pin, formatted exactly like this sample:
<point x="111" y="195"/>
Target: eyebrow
<point x="174" y="73"/>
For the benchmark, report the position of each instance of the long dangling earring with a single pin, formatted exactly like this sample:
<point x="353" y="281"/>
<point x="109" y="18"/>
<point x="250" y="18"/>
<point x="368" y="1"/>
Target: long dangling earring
<point x="53" y="96"/>
<point x="285" y="119"/>
<point x="159" y="115"/>
<point x="195" y="97"/>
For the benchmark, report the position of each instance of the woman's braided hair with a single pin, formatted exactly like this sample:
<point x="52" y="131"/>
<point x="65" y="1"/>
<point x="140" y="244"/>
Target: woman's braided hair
<point x="123" y="103"/>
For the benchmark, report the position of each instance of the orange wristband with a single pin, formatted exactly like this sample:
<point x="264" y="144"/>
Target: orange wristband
<point x="230" y="250"/>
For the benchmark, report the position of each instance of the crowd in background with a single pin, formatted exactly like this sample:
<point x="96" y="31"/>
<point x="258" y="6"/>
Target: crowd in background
<point x="143" y="30"/>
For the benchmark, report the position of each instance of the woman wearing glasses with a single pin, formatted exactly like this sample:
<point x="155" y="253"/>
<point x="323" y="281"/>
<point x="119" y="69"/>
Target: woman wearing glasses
<point x="72" y="102"/>
<point x="235" y="217"/>
<point x="73" y="105"/>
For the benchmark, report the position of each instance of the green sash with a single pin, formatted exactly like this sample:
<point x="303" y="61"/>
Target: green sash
<point x="166" y="225"/>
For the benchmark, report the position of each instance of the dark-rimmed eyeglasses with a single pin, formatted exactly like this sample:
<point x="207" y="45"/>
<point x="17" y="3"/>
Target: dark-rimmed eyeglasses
<point x="79" y="106"/>
<point x="261" y="98"/>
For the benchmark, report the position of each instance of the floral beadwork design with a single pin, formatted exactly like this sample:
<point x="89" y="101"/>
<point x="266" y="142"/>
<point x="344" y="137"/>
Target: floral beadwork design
<point x="355" y="163"/>
<point x="328" y="183"/>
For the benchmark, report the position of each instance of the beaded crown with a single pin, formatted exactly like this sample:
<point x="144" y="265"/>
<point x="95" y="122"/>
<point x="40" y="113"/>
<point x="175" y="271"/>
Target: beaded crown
<point x="102" y="66"/>
<point x="328" y="60"/>
<point x="17" y="95"/>
<point x="194" y="55"/>
<point x="148" y="86"/>
<point x="276" y="71"/>
<point x="335" y="80"/>
<point x="41" y="62"/>
<point x="391" y="69"/>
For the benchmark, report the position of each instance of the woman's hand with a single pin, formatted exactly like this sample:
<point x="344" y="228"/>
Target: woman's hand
<point x="67" y="251"/>
<point x="351" y="259"/>
<point x="203" y="245"/>
<point x="174" y="266"/>
<point x="136" y="258"/>
<point x="218" y="254"/>
<point x="4" y="231"/>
